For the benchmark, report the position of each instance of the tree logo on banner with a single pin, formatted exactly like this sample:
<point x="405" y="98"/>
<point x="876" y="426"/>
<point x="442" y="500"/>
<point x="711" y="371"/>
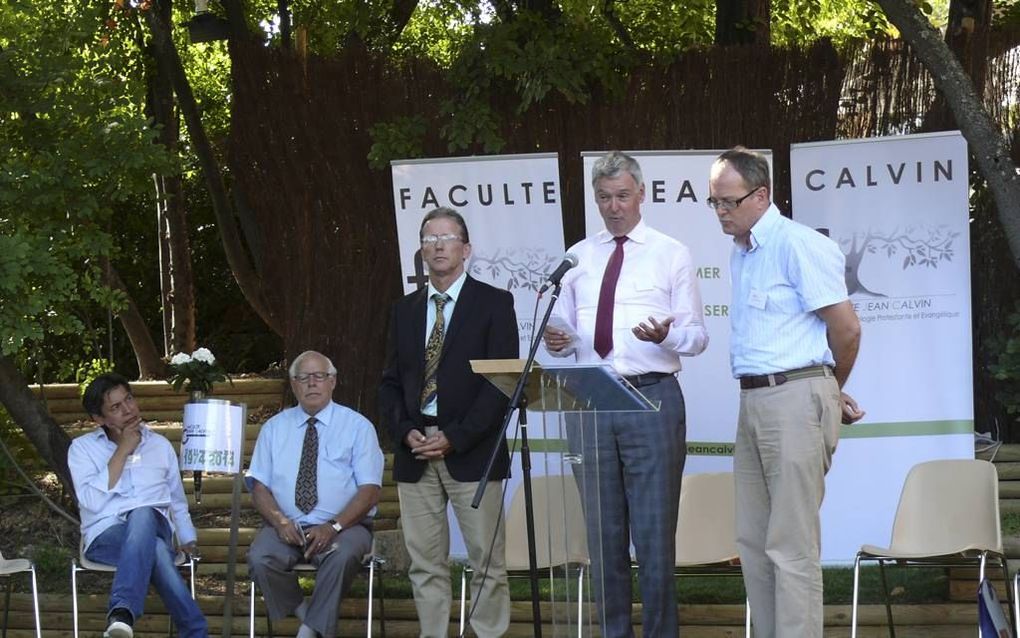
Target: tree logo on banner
<point x="920" y="246"/>
<point x="512" y="268"/>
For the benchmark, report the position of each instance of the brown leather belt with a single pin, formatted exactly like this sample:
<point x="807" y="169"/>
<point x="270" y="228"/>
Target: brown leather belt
<point x="779" y="378"/>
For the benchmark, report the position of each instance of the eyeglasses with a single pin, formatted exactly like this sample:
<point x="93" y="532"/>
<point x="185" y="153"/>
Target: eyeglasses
<point x="432" y="240"/>
<point x="729" y="204"/>
<point x="318" y="376"/>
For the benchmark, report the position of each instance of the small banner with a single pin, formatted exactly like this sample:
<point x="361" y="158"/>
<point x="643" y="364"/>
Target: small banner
<point x="213" y="436"/>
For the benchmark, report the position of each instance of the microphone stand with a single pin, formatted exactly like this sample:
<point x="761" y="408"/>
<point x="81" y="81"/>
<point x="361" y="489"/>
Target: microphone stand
<point x="519" y="402"/>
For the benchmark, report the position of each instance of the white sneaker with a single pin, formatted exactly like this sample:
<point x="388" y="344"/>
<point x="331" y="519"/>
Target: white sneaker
<point x="118" y="629"/>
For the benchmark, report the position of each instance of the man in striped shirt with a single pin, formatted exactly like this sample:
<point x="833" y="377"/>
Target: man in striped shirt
<point x="793" y="343"/>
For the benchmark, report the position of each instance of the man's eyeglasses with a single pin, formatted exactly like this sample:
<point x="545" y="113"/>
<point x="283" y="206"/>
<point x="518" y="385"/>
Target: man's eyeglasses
<point x="432" y="240"/>
<point x="729" y="204"/>
<point x="318" y="376"/>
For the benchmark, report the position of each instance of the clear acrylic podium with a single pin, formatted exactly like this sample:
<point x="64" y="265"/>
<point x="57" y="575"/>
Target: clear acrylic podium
<point x="567" y="505"/>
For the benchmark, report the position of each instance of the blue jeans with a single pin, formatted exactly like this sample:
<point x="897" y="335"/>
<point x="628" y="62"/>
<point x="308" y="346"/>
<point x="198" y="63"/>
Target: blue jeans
<point x="142" y="550"/>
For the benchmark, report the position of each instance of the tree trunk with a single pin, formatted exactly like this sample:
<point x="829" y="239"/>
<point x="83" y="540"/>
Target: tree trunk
<point x="30" y="413"/>
<point x="240" y="264"/>
<point x="987" y="143"/>
<point x="179" y="294"/>
<point x="743" y="22"/>
<point x="150" y="364"/>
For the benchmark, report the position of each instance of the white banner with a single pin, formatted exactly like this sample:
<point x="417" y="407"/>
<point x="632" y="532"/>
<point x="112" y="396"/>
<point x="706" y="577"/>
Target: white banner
<point x="213" y="436"/>
<point x="512" y="206"/>
<point x="898" y="208"/>
<point x="676" y="187"/>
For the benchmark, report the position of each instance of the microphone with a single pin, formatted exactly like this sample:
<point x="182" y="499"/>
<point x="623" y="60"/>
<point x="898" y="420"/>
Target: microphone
<point x="569" y="261"/>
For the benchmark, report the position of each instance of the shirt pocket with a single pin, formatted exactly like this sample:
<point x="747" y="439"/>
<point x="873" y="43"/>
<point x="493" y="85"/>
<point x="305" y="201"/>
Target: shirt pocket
<point x="147" y="471"/>
<point x="339" y="455"/>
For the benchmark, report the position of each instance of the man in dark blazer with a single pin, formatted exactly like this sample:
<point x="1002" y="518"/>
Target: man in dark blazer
<point x="444" y="420"/>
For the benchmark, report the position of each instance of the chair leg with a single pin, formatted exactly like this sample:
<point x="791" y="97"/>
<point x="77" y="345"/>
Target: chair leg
<point x="888" y="602"/>
<point x="1009" y="592"/>
<point x="463" y="599"/>
<point x="580" y="601"/>
<point x="853" y="612"/>
<point x="382" y="602"/>
<point x="7" y="602"/>
<point x="35" y="605"/>
<point x="1016" y="603"/>
<point x="251" y="611"/>
<point x="981" y="578"/>
<point x="371" y="585"/>
<point x="74" y="595"/>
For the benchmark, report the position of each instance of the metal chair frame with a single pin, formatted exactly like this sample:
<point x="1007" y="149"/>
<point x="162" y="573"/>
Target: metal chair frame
<point x="82" y="564"/>
<point x="9" y="567"/>
<point x="370" y="562"/>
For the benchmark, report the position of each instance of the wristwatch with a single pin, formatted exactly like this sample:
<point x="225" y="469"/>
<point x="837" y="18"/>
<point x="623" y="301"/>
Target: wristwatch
<point x="337" y="527"/>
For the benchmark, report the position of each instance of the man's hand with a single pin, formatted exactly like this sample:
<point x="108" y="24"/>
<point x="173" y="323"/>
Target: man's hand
<point x="852" y="413"/>
<point x="288" y="531"/>
<point x="435" y="447"/>
<point x="130" y="437"/>
<point x="655" y="332"/>
<point x="555" y="339"/>
<point x="414" y="440"/>
<point x="191" y="549"/>
<point x="318" y="539"/>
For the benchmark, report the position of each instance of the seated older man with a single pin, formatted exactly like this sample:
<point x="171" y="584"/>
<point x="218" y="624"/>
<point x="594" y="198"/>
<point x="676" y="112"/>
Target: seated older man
<point x="315" y="478"/>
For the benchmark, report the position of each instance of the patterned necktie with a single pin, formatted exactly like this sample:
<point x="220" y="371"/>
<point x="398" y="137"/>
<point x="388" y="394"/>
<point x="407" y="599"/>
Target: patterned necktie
<point x="607" y="299"/>
<point x="433" y="350"/>
<point x="306" y="490"/>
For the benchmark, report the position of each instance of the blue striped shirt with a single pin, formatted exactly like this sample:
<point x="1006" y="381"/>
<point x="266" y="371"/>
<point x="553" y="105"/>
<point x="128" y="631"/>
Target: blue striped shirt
<point x="789" y="272"/>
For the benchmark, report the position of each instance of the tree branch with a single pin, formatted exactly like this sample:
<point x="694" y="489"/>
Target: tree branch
<point x="983" y="135"/>
<point x="244" y="273"/>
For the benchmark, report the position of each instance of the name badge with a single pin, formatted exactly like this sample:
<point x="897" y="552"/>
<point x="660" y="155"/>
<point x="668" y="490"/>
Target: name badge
<point x="134" y="459"/>
<point x="757" y="299"/>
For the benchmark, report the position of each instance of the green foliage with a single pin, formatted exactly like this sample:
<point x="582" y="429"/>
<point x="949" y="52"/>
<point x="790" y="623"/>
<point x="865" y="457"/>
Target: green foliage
<point x="74" y="149"/>
<point x="402" y="138"/>
<point x="1006" y="369"/>
<point x="89" y="370"/>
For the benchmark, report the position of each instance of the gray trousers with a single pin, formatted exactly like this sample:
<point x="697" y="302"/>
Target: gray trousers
<point x="630" y="486"/>
<point x="272" y="561"/>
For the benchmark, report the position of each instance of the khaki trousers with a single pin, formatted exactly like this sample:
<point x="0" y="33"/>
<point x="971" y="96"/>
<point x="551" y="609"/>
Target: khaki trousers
<point x="786" y="436"/>
<point x="427" y="537"/>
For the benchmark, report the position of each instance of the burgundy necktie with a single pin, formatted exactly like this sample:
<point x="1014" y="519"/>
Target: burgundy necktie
<point x="607" y="299"/>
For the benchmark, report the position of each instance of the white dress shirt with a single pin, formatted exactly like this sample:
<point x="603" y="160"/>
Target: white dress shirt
<point x="151" y="478"/>
<point x="657" y="280"/>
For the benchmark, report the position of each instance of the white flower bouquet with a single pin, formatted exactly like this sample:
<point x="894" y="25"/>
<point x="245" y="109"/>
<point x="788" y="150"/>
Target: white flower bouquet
<point x="195" y="372"/>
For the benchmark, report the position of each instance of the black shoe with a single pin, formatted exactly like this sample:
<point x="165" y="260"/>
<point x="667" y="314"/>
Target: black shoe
<point x="120" y="624"/>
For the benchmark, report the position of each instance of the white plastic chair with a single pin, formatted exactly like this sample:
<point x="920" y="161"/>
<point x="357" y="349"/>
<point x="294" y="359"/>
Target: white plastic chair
<point x="82" y="564"/>
<point x="948" y="515"/>
<point x="9" y="567"/>
<point x="369" y="562"/>
<point x="706" y="532"/>
<point x="560" y="536"/>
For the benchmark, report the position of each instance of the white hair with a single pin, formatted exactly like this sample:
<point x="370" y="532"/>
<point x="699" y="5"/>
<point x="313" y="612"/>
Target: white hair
<point x="296" y="363"/>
